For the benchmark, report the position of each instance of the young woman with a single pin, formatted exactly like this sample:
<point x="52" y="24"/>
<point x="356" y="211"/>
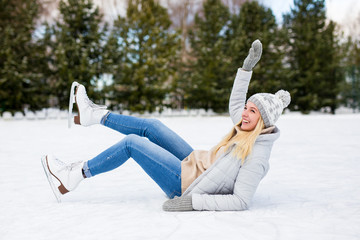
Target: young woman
<point x="224" y="178"/>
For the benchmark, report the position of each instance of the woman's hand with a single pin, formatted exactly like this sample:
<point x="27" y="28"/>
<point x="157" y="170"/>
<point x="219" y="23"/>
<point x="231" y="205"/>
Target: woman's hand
<point x="178" y="204"/>
<point x="254" y="56"/>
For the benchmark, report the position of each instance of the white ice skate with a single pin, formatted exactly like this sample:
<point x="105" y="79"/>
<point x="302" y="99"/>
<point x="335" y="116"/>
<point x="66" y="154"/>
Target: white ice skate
<point x="62" y="177"/>
<point x="89" y="113"/>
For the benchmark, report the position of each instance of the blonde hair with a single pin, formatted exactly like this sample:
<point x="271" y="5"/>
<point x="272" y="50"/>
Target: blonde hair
<point x="244" y="140"/>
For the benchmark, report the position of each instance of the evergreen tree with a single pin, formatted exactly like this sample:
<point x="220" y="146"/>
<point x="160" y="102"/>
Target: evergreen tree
<point x="312" y="54"/>
<point x="20" y="57"/>
<point x="329" y="63"/>
<point x="209" y="83"/>
<point x="75" y="43"/>
<point x="146" y="52"/>
<point x="258" y="22"/>
<point x="351" y="87"/>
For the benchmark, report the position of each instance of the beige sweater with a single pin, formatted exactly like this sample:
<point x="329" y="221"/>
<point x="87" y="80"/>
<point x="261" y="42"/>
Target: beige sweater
<point x="200" y="160"/>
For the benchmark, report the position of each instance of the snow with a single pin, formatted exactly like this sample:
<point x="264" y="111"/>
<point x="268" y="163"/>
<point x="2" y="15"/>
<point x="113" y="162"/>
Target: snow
<point x="312" y="190"/>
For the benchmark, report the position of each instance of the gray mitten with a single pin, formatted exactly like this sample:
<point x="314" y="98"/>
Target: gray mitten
<point x="254" y="56"/>
<point x="178" y="204"/>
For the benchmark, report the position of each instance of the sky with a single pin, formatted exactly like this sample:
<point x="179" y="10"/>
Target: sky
<point x="338" y="10"/>
<point x="343" y="12"/>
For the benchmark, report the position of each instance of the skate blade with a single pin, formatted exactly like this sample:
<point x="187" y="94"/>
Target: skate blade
<point x="71" y="102"/>
<point x="50" y="179"/>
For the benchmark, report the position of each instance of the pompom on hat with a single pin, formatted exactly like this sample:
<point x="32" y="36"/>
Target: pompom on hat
<point x="271" y="105"/>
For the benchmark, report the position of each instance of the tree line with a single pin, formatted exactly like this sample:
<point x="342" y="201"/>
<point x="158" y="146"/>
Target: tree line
<point x="144" y="61"/>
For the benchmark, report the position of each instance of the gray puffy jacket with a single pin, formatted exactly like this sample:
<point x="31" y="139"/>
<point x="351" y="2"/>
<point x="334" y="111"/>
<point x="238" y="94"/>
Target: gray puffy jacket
<point x="227" y="185"/>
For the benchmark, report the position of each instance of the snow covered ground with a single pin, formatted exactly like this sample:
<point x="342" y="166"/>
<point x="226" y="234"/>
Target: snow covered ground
<point x="312" y="190"/>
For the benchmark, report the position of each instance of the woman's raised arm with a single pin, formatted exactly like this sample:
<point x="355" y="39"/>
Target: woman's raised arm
<point x="241" y="82"/>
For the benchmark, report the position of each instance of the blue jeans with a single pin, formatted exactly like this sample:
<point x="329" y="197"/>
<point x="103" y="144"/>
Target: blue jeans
<point x="156" y="148"/>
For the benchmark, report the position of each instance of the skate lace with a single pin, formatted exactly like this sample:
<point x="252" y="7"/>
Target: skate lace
<point x="64" y="166"/>
<point x="93" y="105"/>
<point x="60" y="163"/>
<point x="72" y="165"/>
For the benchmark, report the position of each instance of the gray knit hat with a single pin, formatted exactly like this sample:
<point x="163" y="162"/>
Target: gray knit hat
<point x="271" y="105"/>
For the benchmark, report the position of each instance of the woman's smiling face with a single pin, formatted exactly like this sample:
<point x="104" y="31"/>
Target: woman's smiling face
<point x="250" y="117"/>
